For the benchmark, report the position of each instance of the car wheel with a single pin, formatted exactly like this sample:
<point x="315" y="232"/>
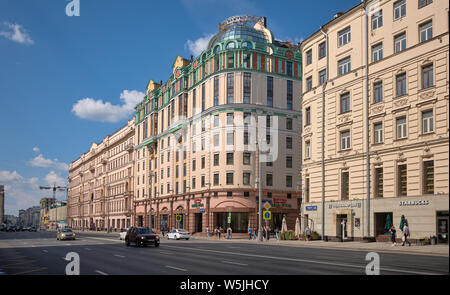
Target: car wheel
<point x="187" y="239"/>
<point x="156" y="244"/>
<point x="127" y="243"/>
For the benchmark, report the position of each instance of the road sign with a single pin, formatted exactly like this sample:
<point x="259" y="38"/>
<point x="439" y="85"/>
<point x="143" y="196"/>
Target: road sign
<point x="267" y="205"/>
<point x="179" y="217"/>
<point x="229" y="219"/>
<point x="267" y="215"/>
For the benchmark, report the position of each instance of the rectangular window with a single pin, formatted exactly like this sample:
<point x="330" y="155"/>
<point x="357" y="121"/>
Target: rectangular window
<point x="203" y="125"/>
<point x="322" y="76"/>
<point x="345" y="180"/>
<point x="427" y="122"/>
<point x="230" y="87"/>
<point x="269" y="179"/>
<point x="400" y="42"/>
<point x="378" y="182"/>
<point x="289" y="123"/>
<point x="216" y="120"/>
<point x="345" y="102"/>
<point x="289" y="68"/>
<point x="230" y="178"/>
<point x="193" y="164"/>
<point x="230" y="138"/>
<point x="289" y="142"/>
<point x="246" y="158"/>
<point x="216" y="90"/>
<point x="308" y="116"/>
<point x="307" y="189"/>
<point x="288" y="161"/>
<point x="246" y="137"/>
<point x="426" y="31"/>
<point x="216" y="179"/>
<point x="194" y="101"/>
<point x="401" y="127"/>
<point x="399" y="9"/>
<point x="230" y="62"/>
<point x="427" y="76"/>
<point x="289" y="94"/>
<point x="344" y="37"/>
<point x="216" y="159"/>
<point x="308" y="149"/>
<point x="288" y="180"/>
<point x="344" y="66"/>
<point x="246" y="178"/>
<point x="377" y="20"/>
<point x="203" y="162"/>
<point x="378" y="92"/>
<point x="377" y="52"/>
<point x="322" y="50"/>
<point x="345" y="140"/>
<point x="309" y="57"/>
<point x="193" y="182"/>
<point x="270" y="91"/>
<point x="423" y="3"/>
<point x="309" y="83"/>
<point x="203" y="97"/>
<point x="203" y="182"/>
<point x="216" y="140"/>
<point x="230" y="158"/>
<point x="378" y="133"/>
<point x="246" y="60"/>
<point x="428" y="173"/>
<point x="247" y="87"/>
<point x="400" y="81"/>
<point x="402" y="180"/>
<point x="230" y="118"/>
<point x="268" y="121"/>
<point x="247" y="117"/>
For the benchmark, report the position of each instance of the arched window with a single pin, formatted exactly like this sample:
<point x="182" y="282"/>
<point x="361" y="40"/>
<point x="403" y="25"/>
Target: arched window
<point x="246" y="44"/>
<point x="231" y="45"/>
<point x="180" y="208"/>
<point x="217" y="49"/>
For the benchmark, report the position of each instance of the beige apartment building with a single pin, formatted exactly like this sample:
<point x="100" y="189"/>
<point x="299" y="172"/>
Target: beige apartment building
<point x="195" y="134"/>
<point x="408" y="112"/>
<point x="101" y="183"/>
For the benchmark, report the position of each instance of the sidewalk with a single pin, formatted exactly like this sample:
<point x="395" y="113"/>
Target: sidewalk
<point x="441" y="250"/>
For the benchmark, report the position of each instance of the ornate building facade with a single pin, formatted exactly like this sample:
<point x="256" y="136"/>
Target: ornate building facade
<point x="101" y="183"/>
<point x="195" y="141"/>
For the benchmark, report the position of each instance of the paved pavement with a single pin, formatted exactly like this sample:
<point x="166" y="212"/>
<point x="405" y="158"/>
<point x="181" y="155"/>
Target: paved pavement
<point x="105" y="254"/>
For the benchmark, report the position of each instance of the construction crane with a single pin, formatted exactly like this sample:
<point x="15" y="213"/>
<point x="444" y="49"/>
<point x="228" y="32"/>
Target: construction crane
<point x="54" y="188"/>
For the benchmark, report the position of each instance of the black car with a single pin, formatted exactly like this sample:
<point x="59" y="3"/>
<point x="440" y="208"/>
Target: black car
<point x="141" y="236"/>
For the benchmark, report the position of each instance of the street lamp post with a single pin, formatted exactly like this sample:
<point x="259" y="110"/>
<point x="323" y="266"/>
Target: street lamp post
<point x="150" y="176"/>
<point x="107" y="210"/>
<point x="259" y="179"/>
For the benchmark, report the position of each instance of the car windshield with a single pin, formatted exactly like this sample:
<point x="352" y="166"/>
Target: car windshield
<point x="142" y="231"/>
<point x="182" y="231"/>
<point x="66" y="230"/>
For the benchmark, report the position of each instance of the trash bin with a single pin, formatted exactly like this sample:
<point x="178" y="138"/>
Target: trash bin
<point x="433" y="240"/>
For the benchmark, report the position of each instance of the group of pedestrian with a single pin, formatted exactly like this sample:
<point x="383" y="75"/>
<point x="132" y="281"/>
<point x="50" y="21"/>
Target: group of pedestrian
<point x="218" y="231"/>
<point x="253" y="235"/>
<point x="405" y="236"/>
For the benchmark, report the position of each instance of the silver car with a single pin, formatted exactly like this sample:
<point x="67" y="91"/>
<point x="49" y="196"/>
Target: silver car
<point x="65" y="234"/>
<point x="178" y="234"/>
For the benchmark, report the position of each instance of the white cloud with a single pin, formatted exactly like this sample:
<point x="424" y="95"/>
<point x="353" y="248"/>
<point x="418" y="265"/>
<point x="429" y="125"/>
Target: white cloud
<point x="40" y="161"/>
<point x="54" y="179"/>
<point x="198" y="46"/>
<point x="16" y="33"/>
<point x="36" y="149"/>
<point x="97" y="110"/>
<point x="6" y="176"/>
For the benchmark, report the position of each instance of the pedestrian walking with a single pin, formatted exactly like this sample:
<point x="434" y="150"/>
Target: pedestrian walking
<point x="229" y="231"/>
<point x="250" y="232"/>
<point x="268" y="232"/>
<point x="219" y="231"/>
<point x="393" y="236"/>
<point x="276" y="233"/>
<point x="308" y="233"/>
<point x="405" y="235"/>
<point x="207" y="232"/>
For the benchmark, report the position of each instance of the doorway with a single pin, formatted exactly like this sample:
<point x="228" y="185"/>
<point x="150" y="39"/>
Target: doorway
<point x="442" y="219"/>
<point x="341" y="226"/>
<point x="198" y="221"/>
<point x="383" y="223"/>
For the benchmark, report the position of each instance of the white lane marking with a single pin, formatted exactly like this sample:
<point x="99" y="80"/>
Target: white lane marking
<point x="173" y="267"/>
<point x="304" y="260"/>
<point x="164" y="252"/>
<point x="45" y="251"/>
<point x="33" y="246"/>
<point x="120" y="256"/>
<point x="87" y="249"/>
<point x="68" y="245"/>
<point x="103" y="239"/>
<point x="236" y="263"/>
<point x="101" y="272"/>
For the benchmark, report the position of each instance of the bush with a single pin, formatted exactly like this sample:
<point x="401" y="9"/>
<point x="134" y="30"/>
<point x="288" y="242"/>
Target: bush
<point x="315" y="235"/>
<point x="289" y="235"/>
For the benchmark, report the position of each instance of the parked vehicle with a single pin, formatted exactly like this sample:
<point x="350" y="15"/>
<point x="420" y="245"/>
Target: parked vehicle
<point x="141" y="236"/>
<point x="177" y="234"/>
<point x="2" y="227"/>
<point x="65" y="234"/>
<point x="11" y="228"/>
<point x="19" y="228"/>
<point x="123" y="233"/>
<point x="33" y="229"/>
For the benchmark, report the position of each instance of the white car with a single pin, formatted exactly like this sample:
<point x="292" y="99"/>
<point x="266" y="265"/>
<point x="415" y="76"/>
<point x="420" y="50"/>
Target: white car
<point x="178" y="234"/>
<point x="123" y="233"/>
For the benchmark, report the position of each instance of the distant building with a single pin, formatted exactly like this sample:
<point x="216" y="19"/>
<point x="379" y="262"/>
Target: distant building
<point x="30" y="216"/>
<point x="44" y="210"/>
<point x="2" y="203"/>
<point x="57" y="215"/>
<point x="11" y="219"/>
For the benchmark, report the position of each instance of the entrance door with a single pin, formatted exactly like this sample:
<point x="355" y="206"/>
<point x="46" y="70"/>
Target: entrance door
<point x="198" y="222"/>
<point x="442" y="226"/>
<point x="341" y="226"/>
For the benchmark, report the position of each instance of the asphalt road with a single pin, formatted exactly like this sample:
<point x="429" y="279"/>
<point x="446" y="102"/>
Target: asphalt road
<point x="40" y="253"/>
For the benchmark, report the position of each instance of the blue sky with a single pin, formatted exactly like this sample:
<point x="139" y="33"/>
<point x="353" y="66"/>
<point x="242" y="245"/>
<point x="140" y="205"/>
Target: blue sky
<point x="66" y="82"/>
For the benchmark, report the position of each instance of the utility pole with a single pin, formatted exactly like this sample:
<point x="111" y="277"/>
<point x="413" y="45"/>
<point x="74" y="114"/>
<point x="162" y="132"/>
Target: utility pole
<point x="107" y="209"/>
<point x="150" y="176"/>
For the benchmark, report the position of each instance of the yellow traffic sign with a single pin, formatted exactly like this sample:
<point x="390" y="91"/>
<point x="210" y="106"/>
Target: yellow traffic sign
<point x="267" y="205"/>
<point x="179" y="217"/>
<point x="267" y="215"/>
